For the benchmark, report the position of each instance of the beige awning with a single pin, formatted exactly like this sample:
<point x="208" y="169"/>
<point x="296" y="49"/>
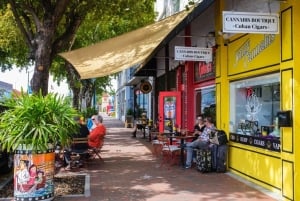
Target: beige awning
<point x="124" y="51"/>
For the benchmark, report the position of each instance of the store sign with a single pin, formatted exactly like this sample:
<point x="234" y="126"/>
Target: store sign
<point x="268" y="142"/>
<point x="247" y="22"/>
<point x="247" y="53"/>
<point x="183" y="53"/>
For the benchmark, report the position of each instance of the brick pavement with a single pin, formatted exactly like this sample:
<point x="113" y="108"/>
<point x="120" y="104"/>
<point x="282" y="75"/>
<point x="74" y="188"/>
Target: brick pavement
<point x="130" y="173"/>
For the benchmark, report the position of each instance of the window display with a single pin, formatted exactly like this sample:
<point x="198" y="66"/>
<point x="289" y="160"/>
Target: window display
<point x="206" y="102"/>
<point x="254" y="104"/>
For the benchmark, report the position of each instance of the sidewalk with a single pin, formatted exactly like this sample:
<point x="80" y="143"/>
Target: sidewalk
<point x="130" y="173"/>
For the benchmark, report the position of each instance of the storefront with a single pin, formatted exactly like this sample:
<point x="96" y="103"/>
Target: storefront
<point x="254" y="101"/>
<point x="198" y="91"/>
<point x="256" y="81"/>
<point x="196" y="78"/>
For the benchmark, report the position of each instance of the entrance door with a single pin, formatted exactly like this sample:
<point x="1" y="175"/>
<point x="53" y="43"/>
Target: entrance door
<point x="169" y="110"/>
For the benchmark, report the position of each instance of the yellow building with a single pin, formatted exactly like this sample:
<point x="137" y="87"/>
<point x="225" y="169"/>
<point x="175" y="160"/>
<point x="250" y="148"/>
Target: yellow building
<point x="258" y="77"/>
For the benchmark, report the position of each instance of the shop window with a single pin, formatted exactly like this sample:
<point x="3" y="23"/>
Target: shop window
<point x="206" y="102"/>
<point x="141" y="103"/>
<point x="254" y="104"/>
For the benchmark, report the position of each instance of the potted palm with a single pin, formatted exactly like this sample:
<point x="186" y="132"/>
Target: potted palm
<point x="30" y="128"/>
<point x="129" y="118"/>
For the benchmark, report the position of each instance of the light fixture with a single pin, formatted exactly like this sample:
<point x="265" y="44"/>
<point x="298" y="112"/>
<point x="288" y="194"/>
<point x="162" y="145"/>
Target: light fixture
<point x="225" y="36"/>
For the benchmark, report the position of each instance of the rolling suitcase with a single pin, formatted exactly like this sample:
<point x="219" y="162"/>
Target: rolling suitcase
<point x="221" y="158"/>
<point x="204" y="160"/>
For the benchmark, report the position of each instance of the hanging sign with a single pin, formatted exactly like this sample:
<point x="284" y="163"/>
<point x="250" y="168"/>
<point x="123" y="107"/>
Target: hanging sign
<point x="183" y="53"/>
<point x="247" y="22"/>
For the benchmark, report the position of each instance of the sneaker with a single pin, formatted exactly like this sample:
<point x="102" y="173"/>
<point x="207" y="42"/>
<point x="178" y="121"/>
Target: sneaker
<point x="58" y="164"/>
<point x="187" y="166"/>
<point x="68" y="167"/>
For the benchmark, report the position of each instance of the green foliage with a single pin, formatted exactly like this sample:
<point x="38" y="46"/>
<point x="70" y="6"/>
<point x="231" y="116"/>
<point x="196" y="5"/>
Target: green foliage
<point x="74" y="24"/>
<point x="119" y="17"/>
<point x="210" y="112"/>
<point x="12" y="46"/>
<point x="89" y="112"/>
<point x="35" y="121"/>
<point x="129" y="112"/>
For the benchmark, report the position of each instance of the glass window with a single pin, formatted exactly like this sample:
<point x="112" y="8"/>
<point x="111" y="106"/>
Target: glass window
<point x="142" y="102"/>
<point x="254" y="104"/>
<point x="206" y="102"/>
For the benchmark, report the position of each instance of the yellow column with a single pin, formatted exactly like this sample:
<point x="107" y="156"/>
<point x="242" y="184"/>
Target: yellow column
<point x="290" y="96"/>
<point x="222" y="84"/>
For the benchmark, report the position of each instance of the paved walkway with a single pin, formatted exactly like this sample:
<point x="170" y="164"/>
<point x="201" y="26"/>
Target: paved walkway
<point x="130" y="173"/>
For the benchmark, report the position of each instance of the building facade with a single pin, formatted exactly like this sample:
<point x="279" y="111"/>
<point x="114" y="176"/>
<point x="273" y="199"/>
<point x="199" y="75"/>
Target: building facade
<point x="250" y="86"/>
<point x="6" y="90"/>
<point x="256" y="97"/>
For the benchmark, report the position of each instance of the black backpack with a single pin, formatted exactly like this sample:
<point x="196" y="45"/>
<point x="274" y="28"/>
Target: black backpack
<point x="218" y="137"/>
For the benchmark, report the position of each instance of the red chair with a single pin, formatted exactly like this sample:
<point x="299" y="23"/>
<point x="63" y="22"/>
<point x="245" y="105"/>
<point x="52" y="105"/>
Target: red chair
<point x="169" y="153"/>
<point x="96" y="151"/>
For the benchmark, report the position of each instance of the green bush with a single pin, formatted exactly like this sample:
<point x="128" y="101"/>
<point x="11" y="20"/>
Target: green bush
<point x="37" y="120"/>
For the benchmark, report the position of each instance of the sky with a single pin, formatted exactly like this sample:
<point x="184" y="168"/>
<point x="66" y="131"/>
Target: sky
<point x="19" y="80"/>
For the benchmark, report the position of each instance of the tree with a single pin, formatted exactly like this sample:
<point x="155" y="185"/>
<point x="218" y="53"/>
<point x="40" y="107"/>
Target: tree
<point x="12" y="47"/>
<point x="49" y="27"/>
<point x="118" y="19"/>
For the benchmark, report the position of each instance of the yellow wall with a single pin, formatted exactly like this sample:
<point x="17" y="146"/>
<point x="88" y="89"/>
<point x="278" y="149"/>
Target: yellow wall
<point x="262" y="51"/>
<point x="276" y="171"/>
<point x="290" y="76"/>
<point x="258" y="165"/>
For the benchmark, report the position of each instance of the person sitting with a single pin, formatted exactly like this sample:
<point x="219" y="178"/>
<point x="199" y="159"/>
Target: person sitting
<point x="83" y="133"/>
<point x="78" y="147"/>
<point x="199" y="127"/>
<point x="90" y="123"/>
<point x="96" y="136"/>
<point x="202" y="142"/>
<point x="141" y="125"/>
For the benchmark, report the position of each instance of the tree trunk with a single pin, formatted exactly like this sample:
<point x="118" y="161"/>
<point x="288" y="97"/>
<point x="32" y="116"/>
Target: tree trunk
<point x="74" y="84"/>
<point x="87" y="92"/>
<point x="88" y="98"/>
<point x="43" y="60"/>
<point x="76" y="101"/>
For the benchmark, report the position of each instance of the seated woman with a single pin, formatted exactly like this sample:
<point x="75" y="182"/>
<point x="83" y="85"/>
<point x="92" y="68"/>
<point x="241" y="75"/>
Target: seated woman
<point x="199" y="127"/>
<point x="96" y="136"/>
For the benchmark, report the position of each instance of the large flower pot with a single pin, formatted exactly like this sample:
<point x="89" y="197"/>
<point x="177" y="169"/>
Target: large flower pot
<point x="33" y="175"/>
<point x="128" y="121"/>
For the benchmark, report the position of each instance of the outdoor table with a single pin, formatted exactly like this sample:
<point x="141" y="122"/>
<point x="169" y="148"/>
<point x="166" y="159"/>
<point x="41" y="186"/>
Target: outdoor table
<point x="153" y="133"/>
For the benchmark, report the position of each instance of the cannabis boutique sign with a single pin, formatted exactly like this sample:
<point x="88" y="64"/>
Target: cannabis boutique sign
<point x="248" y="22"/>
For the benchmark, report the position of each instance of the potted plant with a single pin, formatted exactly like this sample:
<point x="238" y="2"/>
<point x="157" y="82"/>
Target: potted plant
<point x="30" y="128"/>
<point x="129" y="118"/>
